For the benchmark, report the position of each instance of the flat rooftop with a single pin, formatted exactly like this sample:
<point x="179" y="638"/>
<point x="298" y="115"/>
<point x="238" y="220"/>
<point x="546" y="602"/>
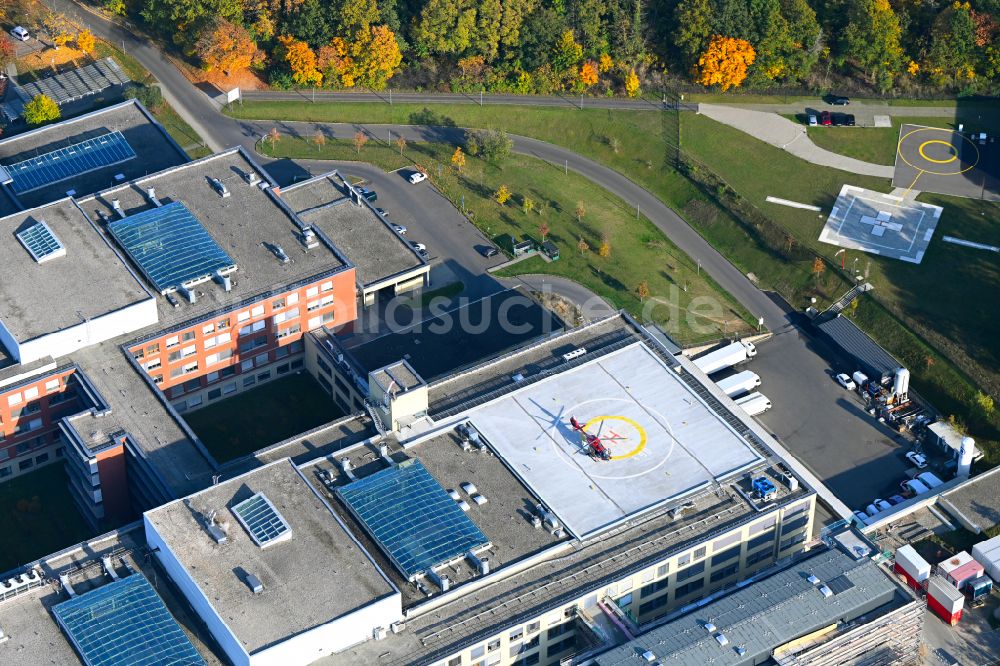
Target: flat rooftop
<point x="89" y="281"/>
<point x="504" y="518"/>
<point x="153" y="147"/>
<point x="317" y="574"/>
<point x="248" y="224"/>
<point x="374" y="247"/>
<point x="459" y="338"/>
<point x="664" y="441"/>
<point x="769" y="613"/>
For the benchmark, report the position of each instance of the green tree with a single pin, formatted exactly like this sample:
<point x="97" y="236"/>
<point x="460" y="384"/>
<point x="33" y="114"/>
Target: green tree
<point x="587" y="19"/>
<point x="693" y="29"/>
<point x="309" y="24"/>
<point x="490" y="144"/>
<point x="41" y="109"/>
<point x="805" y="33"/>
<point x="566" y="53"/>
<point x="872" y="39"/>
<point x="953" y="49"/>
<point x="445" y="26"/>
<point x="356" y="16"/>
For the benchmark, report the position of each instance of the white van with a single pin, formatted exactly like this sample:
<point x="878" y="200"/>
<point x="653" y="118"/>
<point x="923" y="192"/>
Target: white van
<point x="20" y="33"/>
<point x="914" y="486"/>
<point x="929" y="479"/>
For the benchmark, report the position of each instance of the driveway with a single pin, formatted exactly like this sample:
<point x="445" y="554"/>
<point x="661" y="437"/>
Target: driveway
<point x="789" y="136"/>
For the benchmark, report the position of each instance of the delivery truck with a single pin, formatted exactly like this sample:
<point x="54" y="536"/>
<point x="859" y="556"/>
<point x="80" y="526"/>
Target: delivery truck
<point x="754" y="404"/>
<point x="740" y="383"/>
<point x="725" y="357"/>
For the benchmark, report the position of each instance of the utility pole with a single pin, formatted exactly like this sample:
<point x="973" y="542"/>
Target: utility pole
<point x="566" y="167"/>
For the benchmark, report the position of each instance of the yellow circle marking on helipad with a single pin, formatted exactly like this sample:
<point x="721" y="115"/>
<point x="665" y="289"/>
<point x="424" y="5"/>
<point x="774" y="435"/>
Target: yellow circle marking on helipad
<point x="954" y="153"/>
<point x="923" y="169"/>
<point x="624" y="419"/>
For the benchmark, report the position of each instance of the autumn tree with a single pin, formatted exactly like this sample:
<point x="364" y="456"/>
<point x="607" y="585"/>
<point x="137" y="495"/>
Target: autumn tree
<point x="356" y="17"/>
<point x="872" y="39"/>
<point x="566" y="52"/>
<point x="604" y="249"/>
<point x="605" y="63"/>
<point x="642" y="290"/>
<point x="502" y="195"/>
<point x="320" y="140"/>
<point x="8" y="52"/>
<point x="544" y="231"/>
<point x="41" y="109"/>
<point x="631" y="83"/>
<point x="274" y="136"/>
<point x="376" y="55"/>
<point x="445" y="26"/>
<point x="360" y="139"/>
<point x="85" y="41"/>
<point x="583" y="246"/>
<point x="458" y="159"/>
<point x="472" y="66"/>
<point x="226" y="46"/>
<point x="588" y="73"/>
<point x="818" y="268"/>
<point x="580" y="211"/>
<point x="725" y="62"/>
<point x="954" y="49"/>
<point x="401" y="144"/>
<point x="301" y="60"/>
<point x="527" y="204"/>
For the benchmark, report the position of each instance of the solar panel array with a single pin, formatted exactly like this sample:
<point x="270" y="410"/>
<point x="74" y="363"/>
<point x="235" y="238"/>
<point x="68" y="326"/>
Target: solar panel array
<point x="412" y="517"/>
<point x="41" y="242"/>
<point x="125" y="623"/>
<point x="78" y="83"/>
<point x="63" y="163"/>
<point x="170" y="246"/>
<point x="262" y="520"/>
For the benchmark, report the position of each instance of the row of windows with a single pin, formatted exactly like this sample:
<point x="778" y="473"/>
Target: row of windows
<point x="25" y="465"/>
<point x="196" y="401"/>
<point x="51" y="386"/>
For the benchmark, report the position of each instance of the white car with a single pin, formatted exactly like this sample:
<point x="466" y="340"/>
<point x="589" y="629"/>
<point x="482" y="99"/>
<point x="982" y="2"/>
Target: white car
<point x="813" y="122"/>
<point x="417" y="177"/>
<point x="918" y="460"/>
<point x="846" y="382"/>
<point x="419" y="247"/>
<point x="400" y="229"/>
<point x="20" y="33"/>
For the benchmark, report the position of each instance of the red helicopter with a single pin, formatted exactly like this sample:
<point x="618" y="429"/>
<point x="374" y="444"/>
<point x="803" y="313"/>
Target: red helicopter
<point x="595" y="447"/>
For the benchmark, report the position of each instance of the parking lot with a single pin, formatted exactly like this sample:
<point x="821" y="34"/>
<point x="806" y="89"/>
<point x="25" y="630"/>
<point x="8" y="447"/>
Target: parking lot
<point x="825" y="426"/>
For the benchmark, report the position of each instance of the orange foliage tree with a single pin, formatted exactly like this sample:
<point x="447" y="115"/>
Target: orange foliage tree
<point x="226" y="46"/>
<point x="85" y="41"/>
<point x="301" y="59"/>
<point x="370" y="60"/>
<point x="725" y="62"/>
<point x="588" y="73"/>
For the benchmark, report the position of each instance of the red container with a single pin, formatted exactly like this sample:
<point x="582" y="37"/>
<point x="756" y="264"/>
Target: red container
<point x="946" y="601"/>
<point x="910" y="580"/>
<point x="941" y="612"/>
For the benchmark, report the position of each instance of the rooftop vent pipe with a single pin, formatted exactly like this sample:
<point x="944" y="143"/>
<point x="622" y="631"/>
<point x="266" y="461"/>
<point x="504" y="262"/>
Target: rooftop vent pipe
<point x="151" y="193"/>
<point x="219" y="187"/>
<point x="117" y="205"/>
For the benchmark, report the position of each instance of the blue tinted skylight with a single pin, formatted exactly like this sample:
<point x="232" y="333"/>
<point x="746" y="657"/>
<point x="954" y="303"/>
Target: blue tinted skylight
<point x="70" y="161"/>
<point x="262" y="520"/>
<point x="170" y="246"/>
<point x="412" y="517"/>
<point x="41" y="242"/>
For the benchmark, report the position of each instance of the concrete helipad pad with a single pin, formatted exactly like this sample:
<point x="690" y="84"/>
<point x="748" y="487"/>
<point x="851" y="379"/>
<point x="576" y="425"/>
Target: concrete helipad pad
<point x="664" y="441"/>
<point x="881" y="224"/>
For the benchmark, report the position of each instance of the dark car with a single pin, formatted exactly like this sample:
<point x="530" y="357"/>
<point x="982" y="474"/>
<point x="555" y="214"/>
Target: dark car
<point x="371" y="195"/>
<point x="840" y="101"/>
<point x="850" y="119"/>
<point x="488" y="251"/>
<point x="825" y="118"/>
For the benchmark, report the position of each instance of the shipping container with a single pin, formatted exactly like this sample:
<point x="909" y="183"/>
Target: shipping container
<point x="946" y="601"/>
<point x="914" y="568"/>
<point x="965" y="573"/>
<point x="987" y="553"/>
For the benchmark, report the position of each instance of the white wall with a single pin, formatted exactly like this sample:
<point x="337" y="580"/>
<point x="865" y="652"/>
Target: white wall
<point x="334" y="636"/>
<point x="222" y="634"/>
<point x="60" y="343"/>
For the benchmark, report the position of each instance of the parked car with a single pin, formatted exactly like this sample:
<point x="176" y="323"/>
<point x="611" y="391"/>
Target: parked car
<point x="488" y="251"/>
<point x="417" y="177"/>
<point x="20" y="34"/>
<point x="840" y="101"/>
<point x="400" y="229"/>
<point x="882" y="504"/>
<point x="419" y="247"/>
<point x="382" y="212"/>
<point x="862" y="517"/>
<point x="839" y="120"/>
<point x="896" y="499"/>
<point x="825" y="119"/>
<point x="371" y="195"/>
<point x="918" y="460"/>
<point x="849" y="118"/>
<point x="812" y="121"/>
<point x="846" y="382"/>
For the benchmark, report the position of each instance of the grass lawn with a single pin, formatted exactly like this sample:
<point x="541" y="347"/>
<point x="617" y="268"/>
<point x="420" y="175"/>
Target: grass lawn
<point x="287" y="406"/>
<point x="639" y="251"/>
<point x="37" y="516"/>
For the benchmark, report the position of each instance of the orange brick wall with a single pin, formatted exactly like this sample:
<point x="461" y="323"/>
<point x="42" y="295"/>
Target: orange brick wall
<point x="35" y="396"/>
<point x="114" y="484"/>
<point x="338" y="301"/>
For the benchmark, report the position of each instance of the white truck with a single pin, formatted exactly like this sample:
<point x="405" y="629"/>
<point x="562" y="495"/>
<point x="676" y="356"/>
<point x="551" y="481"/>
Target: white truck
<point x="754" y="404"/>
<point x="725" y="357"/>
<point x="740" y="383"/>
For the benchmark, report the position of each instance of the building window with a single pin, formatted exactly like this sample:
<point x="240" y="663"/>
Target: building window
<point x="14" y="399"/>
<point x="700" y="552"/>
<point x="326" y="286"/>
<point x="663" y="570"/>
<point x="208" y="329"/>
<point x="719" y="544"/>
<point x="190" y="350"/>
<point x="52" y="385"/>
<point x="215" y="394"/>
<point x="257" y="311"/>
<point x="493" y="646"/>
<point x="188" y="336"/>
<point x="27" y="410"/>
<point x="653" y="605"/>
<point x="249" y="380"/>
<point x="689" y="588"/>
<point x="533" y="627"/>
<point x="561" y="646"/>
<point x="277" y="304"/>
<point x="229" y="388"/>
<point x="221" y="324"/>
<point x="283" y="369"/>
<point x="192" y="385"/>
<point x="530" y="660"/>
<point x="477" y="651"/>
<point x="247" y="364"/>
<point x="25" y="464"/>
<point x="280" y="352"/>
<point x="312" y="291"/>
<point x="788" y="543"/>
<point x="154" y="364"/>
<point x="758" y="557"/>
<point x="455" y="661"/>
<point x="44" y="458"/>
<point x="323" y="366"/>
<point x="173" y="356"/>
<point x="173" y="341"/>
<point x="157" y="379"/>
<point x="4" y="471"/>
<point x="725" y="556"/>
<point x="759" y="541"/>
<point x="653" y="588"/>
<point x="516" y="635"/>
<point x="153" y="348"/>
<point x="243" y="316"/>
<point x="683" y="560"/>
<point x="228" y="371"/>
<point x="194" y="401"/>
<point x="694" y="570"/>
<point x="291" y="330"/>
<point x="558" y="630"/>
<point x="264" y="376"/>
<point x="722" y="574"/>
<point x="260" y="360"/>
<point x="139" y="353"/>
<point x="793" y="525"/>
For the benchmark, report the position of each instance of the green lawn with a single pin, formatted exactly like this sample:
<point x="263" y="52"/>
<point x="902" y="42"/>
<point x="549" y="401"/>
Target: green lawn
<point x="285" y="407"/>
<point x="684" y="302"/>
<point x="38" y="516"/>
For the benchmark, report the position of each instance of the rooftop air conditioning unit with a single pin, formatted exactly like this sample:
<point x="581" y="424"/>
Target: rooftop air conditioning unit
<point x="219" y="187"/>
<point x="378" y="633"/>
<point x="254" y="584"/>
<point x="397" y="626"/>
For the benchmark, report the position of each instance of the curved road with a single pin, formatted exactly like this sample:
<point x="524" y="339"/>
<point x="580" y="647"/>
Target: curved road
<point x="221" y="132"/>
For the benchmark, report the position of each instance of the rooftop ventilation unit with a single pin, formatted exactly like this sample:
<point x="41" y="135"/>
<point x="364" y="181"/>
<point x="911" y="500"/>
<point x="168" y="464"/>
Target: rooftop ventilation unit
<point x="741" y="650"/>
<point x="469" y="488"/>
<point x="649" y="656"/>
<point x="464" y="505"/>
<point x="64" y="581"/>
<point x="279" y="252"/>
<point x="479" y="499"/>
<point x="378" y="633"/>
<point x="188" y="293"/>
<point x="224" y="280"/>
<point x="309" y="239"/>
<point x="250" y="177"/>
<point x="219" y="187"/>
<point x="721" y="638"/>
<point x="482" y="564"/>
<point x="109" y="568"/>
<point x="576" y="353"/>
<point x="117" y="205"/>
<point x="825" y="591"/>
<point x="709" y="627"/>
<point x="397" y="627"/>
<point x="218" y="535"/>
<point x="254" y="584"/>
<point x="441" y="581"/>
<point x="813" y="579"/>
<point x="172" y="299"/>
<point x="151" y="195"/>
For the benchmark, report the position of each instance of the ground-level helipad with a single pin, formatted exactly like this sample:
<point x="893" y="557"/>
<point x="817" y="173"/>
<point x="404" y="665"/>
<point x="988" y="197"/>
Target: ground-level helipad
<point x="663" y="441"/>
<point x="934" y="159"/>
<point x="881" y="224"/>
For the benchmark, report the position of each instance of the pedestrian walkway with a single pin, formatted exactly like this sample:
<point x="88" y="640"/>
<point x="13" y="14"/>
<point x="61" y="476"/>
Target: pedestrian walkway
<point x="790" y="137"/>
